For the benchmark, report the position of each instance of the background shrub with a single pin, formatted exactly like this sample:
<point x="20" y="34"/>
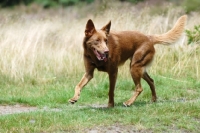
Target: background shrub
<point x="191" y="5"/>
<point x="188" y="5"/>
<point x="44" y="3"/>
<point x="193" y="35"/>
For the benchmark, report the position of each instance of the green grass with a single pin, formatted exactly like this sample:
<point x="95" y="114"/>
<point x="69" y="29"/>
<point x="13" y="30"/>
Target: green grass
<point x="176" y="110"/>
<point x="41" y="63"/>
<point x="154" y="117"/>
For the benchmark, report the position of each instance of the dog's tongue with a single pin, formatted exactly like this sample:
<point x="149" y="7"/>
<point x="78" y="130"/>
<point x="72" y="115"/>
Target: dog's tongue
<point x="100" y="56"/>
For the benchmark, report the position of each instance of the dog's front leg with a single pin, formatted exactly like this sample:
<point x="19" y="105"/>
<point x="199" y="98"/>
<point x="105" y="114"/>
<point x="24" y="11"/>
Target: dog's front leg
<point x="85" y="79"/>
<point x="112" y="78"/>
<point x="89" y="68"/>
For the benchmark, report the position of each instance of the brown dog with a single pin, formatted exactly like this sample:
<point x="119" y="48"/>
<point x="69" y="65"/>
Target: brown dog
<point x="106" y="50"/>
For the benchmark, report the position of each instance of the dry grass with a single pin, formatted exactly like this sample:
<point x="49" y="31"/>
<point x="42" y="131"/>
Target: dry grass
<point x="48" y="44"/>
<point x="39" y="45"/>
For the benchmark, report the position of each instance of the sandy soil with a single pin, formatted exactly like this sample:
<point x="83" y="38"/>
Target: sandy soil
<point x="11" y="109"/>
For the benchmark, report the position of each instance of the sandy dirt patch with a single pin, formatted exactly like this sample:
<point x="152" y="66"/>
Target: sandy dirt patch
<point x="12" y="109"/>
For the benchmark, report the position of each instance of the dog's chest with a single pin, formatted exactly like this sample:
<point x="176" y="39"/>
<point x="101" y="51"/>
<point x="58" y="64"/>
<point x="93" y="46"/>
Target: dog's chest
<point x="100" y="65"/>
<point x="102" y="68"/>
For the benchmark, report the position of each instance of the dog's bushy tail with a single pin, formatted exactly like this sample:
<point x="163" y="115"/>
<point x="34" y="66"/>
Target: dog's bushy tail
<point x="172" y="35"/>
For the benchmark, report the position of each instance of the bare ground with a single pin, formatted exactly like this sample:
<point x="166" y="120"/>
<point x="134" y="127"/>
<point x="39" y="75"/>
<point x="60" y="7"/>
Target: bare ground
<point x="12" y="109"/>
<point x="18" y="108"/>
<point x="115" y="128"/>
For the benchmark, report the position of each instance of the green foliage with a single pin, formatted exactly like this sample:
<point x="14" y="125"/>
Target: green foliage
<point x="5" y="3"/>
<point x="188" y="5"/>
<point x="133" y="1"/>
<point x="193" y="35"/>
<point x="191" y="5"/>
<point x="51" y="3"/>
<point x="44" y="3"/>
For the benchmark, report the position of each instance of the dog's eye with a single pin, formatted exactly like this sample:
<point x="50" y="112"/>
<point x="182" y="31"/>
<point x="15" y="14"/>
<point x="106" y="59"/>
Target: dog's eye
<point x="98" y="40"/>
<point x="106" y="40"/>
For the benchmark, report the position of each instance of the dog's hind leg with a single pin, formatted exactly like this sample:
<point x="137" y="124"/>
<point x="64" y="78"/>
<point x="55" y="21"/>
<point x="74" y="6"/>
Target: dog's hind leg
<point x="136" y="73"/>
<point x="150" y="82"/>
<point x="137" y="68"/>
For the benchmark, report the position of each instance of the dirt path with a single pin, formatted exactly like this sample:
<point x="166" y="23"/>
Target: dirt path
<point x="117" y="128"/>
<point x="12" y="109"/>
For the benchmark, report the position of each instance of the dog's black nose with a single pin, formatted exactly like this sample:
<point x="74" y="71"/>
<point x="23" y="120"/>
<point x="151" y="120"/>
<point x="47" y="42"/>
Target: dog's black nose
<point x="106" y="51"/>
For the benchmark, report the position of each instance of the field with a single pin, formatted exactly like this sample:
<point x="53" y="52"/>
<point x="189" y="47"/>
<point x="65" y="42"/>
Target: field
<point x="41" y="63"/>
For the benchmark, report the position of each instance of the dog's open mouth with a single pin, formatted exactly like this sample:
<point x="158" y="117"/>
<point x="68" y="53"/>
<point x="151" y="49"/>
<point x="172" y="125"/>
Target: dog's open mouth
<point x="100" y="56"/>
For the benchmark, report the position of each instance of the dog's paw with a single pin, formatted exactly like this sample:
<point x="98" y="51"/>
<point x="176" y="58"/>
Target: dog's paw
<point x="154" y="99"/>
<point x="72" y="101"/>
<point x="126" y="104"/>
<point x="110" y="105"/>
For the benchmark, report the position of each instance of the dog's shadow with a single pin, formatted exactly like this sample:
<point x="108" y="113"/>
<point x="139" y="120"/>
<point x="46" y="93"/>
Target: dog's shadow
<point x="117" y="105"/>
<point x="135" y="105"/>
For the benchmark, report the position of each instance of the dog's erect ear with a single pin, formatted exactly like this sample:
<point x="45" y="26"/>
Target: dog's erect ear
<point x="106" y="28"/>
<point x="89" y="29"/>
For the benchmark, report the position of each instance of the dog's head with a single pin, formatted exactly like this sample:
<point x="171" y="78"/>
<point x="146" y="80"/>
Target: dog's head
<point x="98" y="39"/>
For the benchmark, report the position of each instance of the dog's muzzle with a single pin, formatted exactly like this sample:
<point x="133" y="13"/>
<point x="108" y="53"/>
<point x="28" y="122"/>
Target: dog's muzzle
<point x="101" y="56"/>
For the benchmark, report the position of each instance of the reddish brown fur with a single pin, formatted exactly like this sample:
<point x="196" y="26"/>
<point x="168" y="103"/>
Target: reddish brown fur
<point x="122" y="45"/>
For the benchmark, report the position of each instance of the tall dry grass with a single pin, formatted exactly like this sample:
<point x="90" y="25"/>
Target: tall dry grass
<point x="48" y="44"/>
